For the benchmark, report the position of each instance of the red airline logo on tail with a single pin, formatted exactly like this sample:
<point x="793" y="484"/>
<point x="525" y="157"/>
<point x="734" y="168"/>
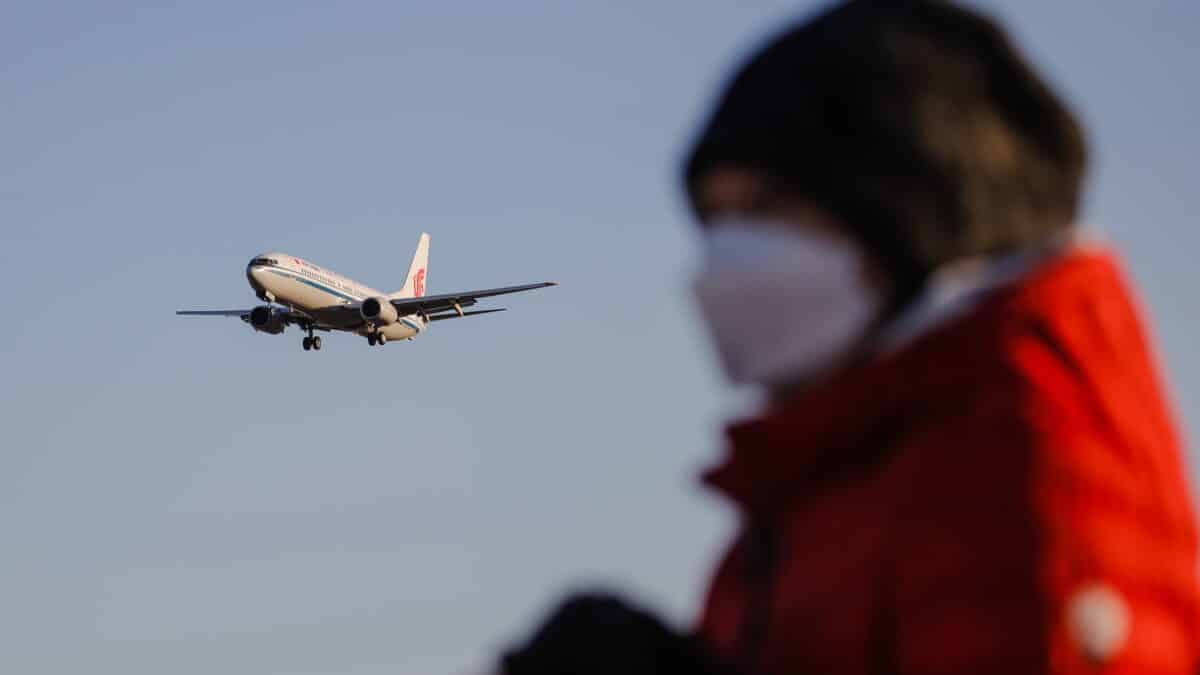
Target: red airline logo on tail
<point x="419" y="283"/>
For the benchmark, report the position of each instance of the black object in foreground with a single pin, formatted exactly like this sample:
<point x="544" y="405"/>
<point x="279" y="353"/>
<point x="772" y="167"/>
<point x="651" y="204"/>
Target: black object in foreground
<point x="600" y="634"/>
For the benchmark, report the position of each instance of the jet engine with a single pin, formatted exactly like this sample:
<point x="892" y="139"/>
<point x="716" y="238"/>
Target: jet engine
<point x="267" y="319"/>
<point x="378" y="311"/>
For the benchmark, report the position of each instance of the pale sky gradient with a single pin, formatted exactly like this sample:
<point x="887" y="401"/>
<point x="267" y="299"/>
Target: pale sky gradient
<point x="186" y="496"/>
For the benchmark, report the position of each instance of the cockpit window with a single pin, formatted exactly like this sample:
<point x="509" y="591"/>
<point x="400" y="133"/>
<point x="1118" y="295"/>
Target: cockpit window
<point x="264" y="261"/>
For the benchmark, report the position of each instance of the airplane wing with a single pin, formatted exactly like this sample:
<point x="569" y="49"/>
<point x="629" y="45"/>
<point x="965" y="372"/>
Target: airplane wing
<point x="455" y="315"/>
<point x="346" y="316"/>
<point x="213" y="312"/>
<point x="456" y="301"/>
<point x="293" y="316"/>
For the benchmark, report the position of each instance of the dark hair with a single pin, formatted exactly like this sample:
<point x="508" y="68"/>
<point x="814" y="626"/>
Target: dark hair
<point x="916" y="122"/>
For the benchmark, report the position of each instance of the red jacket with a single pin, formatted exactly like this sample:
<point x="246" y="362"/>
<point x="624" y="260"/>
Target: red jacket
<point x="1006" y="495"/>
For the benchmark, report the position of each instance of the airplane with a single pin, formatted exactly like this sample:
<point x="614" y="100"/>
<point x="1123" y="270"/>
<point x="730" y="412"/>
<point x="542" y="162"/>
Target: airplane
<point x="298" y="292"/>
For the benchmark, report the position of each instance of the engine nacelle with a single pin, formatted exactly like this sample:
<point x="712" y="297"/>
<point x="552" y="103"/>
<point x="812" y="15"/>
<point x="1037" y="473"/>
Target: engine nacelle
<point x="267" y="320"/>
<point x="378" y="311"/>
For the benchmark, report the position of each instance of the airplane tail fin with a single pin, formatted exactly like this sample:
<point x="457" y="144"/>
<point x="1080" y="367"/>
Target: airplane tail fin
<point x="414" y="283"/>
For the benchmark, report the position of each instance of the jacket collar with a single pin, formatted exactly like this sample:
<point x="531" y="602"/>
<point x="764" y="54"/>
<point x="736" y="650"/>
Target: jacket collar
<point x="956" y="288"/>
<point x="829" y="430"/>
<point x="844" y="424"/>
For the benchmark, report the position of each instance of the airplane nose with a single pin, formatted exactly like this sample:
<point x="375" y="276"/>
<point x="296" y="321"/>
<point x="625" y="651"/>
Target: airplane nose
<point x="254" y="274"/>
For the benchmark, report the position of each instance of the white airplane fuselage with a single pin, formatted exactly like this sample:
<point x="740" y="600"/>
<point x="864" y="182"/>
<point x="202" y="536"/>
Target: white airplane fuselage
<point x="301" y="293"/>
<point x="299" y="284"/>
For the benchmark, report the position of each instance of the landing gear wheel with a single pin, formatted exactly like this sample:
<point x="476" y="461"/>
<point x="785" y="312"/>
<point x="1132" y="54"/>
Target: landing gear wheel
<point x="307" y="343"/>
<point x="371" y="339"/>
<point x="316" y="343"/>
<point x="382" y="339"/>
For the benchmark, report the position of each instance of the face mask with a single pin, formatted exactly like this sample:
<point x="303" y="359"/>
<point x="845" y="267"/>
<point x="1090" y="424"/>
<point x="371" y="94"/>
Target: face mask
<point x="782" y="304"/>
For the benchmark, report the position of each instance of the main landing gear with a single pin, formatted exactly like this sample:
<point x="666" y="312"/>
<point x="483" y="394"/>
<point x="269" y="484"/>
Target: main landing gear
<point x="376" y="339"/>
<point x="311" y="342"/>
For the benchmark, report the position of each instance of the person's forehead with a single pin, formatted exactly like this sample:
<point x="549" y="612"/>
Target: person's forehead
<point x="728" y="188"/>
<point x="734" y="189"/>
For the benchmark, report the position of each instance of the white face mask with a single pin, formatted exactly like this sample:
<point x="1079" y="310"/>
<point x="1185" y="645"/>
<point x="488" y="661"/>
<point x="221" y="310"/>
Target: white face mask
<point x="782" y="304"/>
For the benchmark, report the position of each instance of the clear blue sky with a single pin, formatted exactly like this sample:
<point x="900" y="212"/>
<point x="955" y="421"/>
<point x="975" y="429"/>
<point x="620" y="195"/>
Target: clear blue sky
<point x="186" y="496"/>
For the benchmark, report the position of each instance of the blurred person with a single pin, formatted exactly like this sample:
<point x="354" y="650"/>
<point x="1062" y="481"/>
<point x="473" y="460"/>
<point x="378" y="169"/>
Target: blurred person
<point x="967" y="462"/>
